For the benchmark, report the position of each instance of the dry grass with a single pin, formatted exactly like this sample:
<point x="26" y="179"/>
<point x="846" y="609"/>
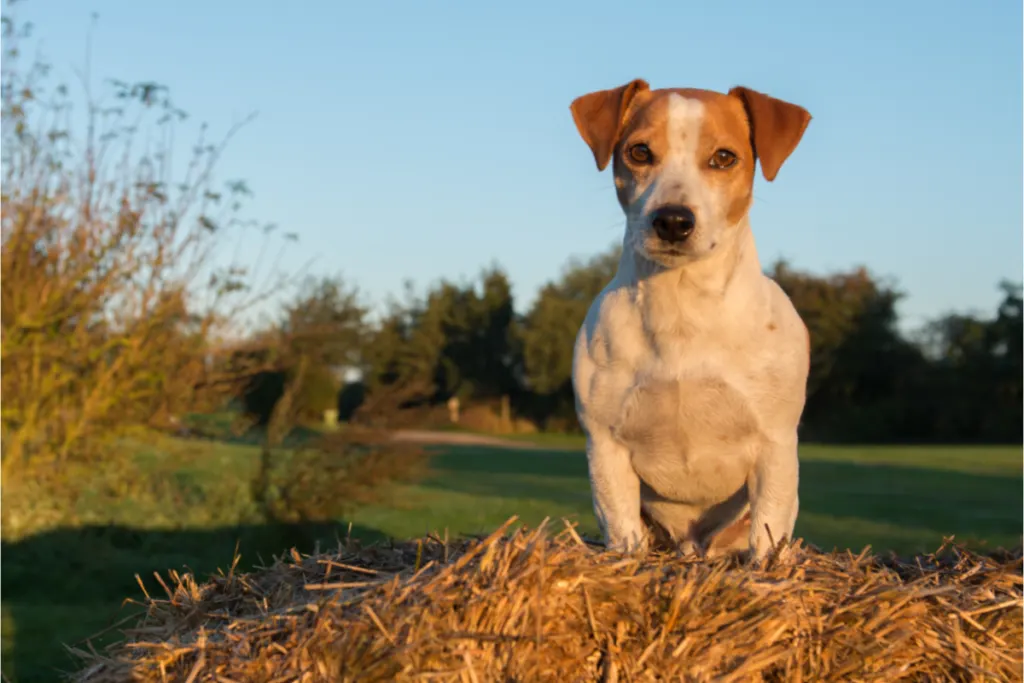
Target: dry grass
<point x="532" y="607"/>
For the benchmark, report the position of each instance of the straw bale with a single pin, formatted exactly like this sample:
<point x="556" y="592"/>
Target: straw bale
<point x="529" y="605"/>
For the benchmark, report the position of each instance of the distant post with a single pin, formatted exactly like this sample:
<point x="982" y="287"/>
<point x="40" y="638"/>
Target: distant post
<point x="506" y="414"/>
<point x="453" y="409"/>
<point x="331" y="418"/>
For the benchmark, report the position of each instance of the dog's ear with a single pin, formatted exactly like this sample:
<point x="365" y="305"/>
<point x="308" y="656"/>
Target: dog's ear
<point x="599" y="117"/>
<point x="775" y="128"/>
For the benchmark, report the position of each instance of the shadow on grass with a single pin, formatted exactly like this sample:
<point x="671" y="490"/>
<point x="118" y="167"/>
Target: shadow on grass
<point x="842" y="504"/>
<point x="64" y="586"/>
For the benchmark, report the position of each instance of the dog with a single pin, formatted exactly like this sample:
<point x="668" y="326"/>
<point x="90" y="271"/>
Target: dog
<point x="690" y="369"/>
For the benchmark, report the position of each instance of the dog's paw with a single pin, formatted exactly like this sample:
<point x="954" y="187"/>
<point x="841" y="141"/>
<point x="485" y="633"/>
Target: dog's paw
<point x="783" y="552"/>
<point x="637" y="543"/>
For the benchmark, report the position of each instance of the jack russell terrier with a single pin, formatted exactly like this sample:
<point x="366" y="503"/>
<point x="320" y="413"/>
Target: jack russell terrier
<point x="690" y="369"/>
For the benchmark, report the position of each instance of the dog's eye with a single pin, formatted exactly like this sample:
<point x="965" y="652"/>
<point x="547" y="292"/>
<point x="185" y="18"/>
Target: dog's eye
<point x="723" y="158"/>
<point x="641" y="154"/>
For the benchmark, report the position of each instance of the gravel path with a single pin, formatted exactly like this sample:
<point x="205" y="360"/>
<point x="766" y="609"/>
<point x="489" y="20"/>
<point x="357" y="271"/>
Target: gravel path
<point x="425" y="436"/>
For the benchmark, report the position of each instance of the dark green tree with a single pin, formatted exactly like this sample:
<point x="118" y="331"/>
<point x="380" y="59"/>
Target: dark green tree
<point x="323" y="332"/>
<point x="974" y="385"/>
<point x="549" y="333"/>
<point x="862" y="369"/>
<point x="457" y="340"/>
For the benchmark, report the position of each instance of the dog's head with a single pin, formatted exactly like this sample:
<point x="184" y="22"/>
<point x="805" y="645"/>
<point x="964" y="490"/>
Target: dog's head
<point x="684" y="160"/>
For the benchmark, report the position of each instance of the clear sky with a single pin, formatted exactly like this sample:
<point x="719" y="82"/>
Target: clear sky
<point x="427" y="139"/>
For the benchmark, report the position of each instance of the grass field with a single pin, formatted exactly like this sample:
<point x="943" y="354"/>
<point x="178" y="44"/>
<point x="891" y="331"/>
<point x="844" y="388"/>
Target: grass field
<point x="65" y="584"/>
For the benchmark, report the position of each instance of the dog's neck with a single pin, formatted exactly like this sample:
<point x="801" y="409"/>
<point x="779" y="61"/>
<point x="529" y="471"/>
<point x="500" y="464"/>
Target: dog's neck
<point x="720" y="289"/>
<point x="711" y="276"/>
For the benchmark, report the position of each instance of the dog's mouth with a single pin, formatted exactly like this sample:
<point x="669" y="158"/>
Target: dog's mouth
<point x="667" y="251"/>
<point x="654" y="247"/>
<point x="647" y="244"/>
<point x="663" y="257"/>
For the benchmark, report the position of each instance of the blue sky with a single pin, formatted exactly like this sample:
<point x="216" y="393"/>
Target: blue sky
<point x="419" y="140"/>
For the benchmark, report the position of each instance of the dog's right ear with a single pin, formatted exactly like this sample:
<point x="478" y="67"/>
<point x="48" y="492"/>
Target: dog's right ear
<point x="599" y="116"/>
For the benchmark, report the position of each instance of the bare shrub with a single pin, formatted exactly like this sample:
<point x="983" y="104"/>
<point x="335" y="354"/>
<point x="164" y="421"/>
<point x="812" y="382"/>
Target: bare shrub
<point x="116" y="308"/>
<point x="385" y="406"/>
<point x="326" y="481"/>
<point x="481" y="418"/>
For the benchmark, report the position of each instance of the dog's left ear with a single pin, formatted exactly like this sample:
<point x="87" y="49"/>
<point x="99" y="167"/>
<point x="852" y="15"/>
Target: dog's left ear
<point x="598" y="116"/>
<point x="775" y="128"/>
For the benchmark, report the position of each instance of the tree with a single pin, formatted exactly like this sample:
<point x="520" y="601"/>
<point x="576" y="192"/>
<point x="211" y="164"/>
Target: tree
<point x="322" y="333"/>
<point x="974" y="390"/>
<point x="481" y="344"/>
<point x="327" y="322"/>
<point x="862" y="371"/>
<point x="457" y="340"/>
<point x="405" y="348"/>
<point x="549" y="332"/>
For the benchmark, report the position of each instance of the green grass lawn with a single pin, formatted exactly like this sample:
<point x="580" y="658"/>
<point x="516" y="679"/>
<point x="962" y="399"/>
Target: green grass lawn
<point x="892" y="498"/>
<point x="65" y="584"/>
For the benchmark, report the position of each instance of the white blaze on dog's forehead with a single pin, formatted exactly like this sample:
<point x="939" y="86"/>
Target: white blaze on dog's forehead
<point x="685" y="116"/>
<point x="679" y="178"/>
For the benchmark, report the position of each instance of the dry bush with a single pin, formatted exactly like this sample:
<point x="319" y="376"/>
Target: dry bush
<point x="326" y="481"/>
<point x="560" y="425"/>
<point x="521" y="425"/>
<point x="115" y="301"/>
<point x="384" y="407"/>
<point x="532" y="608"/>
<point x="482" y="418"/>
<point x="487" y="418"/>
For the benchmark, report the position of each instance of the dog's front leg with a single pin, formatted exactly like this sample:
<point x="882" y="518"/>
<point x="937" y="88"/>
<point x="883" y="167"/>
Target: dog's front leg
<point x="616" y="490"/>
<point x="774" y="498"/>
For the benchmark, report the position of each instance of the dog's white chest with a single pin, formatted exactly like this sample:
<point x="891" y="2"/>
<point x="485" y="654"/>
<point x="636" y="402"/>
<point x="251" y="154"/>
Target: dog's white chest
<point x="691" y="438"/>
<point x="687" y="410"/>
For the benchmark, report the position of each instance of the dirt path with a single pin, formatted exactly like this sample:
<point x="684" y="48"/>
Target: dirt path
<point x="425" y="436"/>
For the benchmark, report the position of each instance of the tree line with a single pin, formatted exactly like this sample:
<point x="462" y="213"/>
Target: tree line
<point x="956" y="380"/>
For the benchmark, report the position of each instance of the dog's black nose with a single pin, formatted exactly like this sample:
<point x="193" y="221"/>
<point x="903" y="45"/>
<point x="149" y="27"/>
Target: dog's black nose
<point x="674" y="223"/>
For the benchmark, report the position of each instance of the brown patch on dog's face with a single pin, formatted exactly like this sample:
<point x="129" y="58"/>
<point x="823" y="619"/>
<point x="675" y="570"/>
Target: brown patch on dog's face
<point x="725" y="128"/>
